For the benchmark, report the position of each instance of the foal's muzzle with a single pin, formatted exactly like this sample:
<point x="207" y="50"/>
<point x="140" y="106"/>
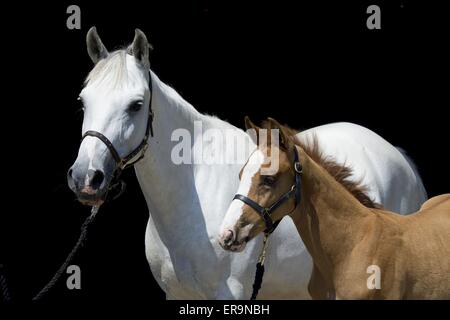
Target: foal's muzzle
<point x="228" y="241"/>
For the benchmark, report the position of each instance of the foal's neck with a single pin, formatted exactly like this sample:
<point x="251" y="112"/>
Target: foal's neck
<point x="330" y="219"/>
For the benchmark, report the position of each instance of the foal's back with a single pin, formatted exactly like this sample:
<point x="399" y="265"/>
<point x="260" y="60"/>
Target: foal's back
<point x="413" y="251"/>
<point x="442" y="199"/>
<point x="427" y="257"/>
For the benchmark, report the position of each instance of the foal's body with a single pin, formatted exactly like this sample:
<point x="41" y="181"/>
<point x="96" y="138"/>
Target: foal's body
<point x="340" y="224"/>
<point x="345" y="238"/>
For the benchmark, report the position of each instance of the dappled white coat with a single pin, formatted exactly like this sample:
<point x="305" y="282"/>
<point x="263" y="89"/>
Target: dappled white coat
<point x="188" y="202"/>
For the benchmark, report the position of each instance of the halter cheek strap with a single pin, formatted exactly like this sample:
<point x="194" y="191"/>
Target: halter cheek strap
<point x="265" y="212"/>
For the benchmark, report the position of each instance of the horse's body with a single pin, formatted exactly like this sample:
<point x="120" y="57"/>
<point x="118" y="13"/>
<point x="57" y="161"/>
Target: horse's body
<point x="347" y="239"/>
<point x="187" y="202"/>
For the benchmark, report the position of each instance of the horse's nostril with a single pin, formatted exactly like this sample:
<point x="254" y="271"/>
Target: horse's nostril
<point x="69" y="173"/>
<point x="96" y="178"/>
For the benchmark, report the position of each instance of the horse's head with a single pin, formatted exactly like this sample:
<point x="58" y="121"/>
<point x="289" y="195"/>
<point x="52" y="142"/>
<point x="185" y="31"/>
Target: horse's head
<point x="260" y="190"/>
<point x="115" y="101"/>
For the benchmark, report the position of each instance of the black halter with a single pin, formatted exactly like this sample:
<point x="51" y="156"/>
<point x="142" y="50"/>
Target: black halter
<point x="123" y="163"/>
<point x="265" y="212"/>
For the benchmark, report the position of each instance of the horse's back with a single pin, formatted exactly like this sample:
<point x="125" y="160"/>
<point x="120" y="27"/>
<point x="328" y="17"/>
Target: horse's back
<point x="390" y="177"/>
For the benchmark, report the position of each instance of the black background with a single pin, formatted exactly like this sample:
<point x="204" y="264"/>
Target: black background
<point x="305" y="64"/>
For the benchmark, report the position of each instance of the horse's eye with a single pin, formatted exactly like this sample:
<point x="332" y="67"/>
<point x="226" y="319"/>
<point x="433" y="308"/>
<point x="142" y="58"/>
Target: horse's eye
<point x="268" y="180"/>
<point x="135" y="106"/>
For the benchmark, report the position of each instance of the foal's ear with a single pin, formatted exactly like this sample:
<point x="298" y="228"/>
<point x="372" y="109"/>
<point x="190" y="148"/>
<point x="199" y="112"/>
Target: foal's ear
<point x="286" y="141"/>
<point x="96" y="50"/>
<point x="140" y="48"/>
<point x="249" y="125"/>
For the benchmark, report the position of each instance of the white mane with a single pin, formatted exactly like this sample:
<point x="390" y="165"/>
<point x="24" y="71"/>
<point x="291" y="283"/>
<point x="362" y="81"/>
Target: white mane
<point x="111" y="71"/>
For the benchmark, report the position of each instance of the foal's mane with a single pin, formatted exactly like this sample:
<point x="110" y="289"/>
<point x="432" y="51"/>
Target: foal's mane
<point x="340" y="172"/>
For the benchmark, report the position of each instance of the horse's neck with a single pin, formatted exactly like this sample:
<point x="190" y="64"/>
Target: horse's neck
<point x="171" y="191"/>
<point x="171" y="112"/>
<point x="163" y="182"/>
<point x="330" y="220"/>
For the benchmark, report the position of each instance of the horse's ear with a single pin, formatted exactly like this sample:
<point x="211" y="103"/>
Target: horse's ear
<point x="286" y="141"/>
<point x="96" y="50"/>
<point x="249" y="125"/>
<point x="140" y="48"/>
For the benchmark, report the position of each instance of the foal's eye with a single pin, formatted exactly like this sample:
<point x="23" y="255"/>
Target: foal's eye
<point x="268" y="180"/>
<point x="135" y="106"/>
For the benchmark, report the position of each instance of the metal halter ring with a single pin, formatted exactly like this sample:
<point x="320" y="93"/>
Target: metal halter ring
<point x="298" y="167"/>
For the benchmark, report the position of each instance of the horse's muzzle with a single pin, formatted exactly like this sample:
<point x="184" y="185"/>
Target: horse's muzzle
<point x="90" y="188"/>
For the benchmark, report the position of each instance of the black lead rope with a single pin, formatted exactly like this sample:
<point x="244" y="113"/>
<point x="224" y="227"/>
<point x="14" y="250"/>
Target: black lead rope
<point x="260" y="268"/>
<point x="63" y="267"/>
<point x="117" y="187"/>
<point x="6" y="296"/>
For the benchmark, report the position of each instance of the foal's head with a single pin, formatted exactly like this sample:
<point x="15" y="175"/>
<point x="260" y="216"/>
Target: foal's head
<point x="242" y="222"/>
<point x="115" y="101"/>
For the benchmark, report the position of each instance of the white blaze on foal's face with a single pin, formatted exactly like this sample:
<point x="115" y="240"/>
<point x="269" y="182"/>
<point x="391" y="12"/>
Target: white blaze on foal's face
<point x="241" y="222"/>
<point x="249" y="171"/>
<point x="263" y="185"/>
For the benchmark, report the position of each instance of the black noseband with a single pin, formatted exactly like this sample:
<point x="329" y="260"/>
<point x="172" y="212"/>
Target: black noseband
<point x="106" y="141"/>
<point x="265" y="212"/>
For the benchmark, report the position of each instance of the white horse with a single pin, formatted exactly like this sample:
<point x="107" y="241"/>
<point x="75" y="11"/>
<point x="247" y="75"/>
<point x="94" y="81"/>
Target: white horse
<point x="187" y="202"/>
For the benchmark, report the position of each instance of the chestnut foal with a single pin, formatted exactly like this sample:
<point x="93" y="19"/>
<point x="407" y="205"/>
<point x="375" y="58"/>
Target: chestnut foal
<point x="347" y="234"/>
